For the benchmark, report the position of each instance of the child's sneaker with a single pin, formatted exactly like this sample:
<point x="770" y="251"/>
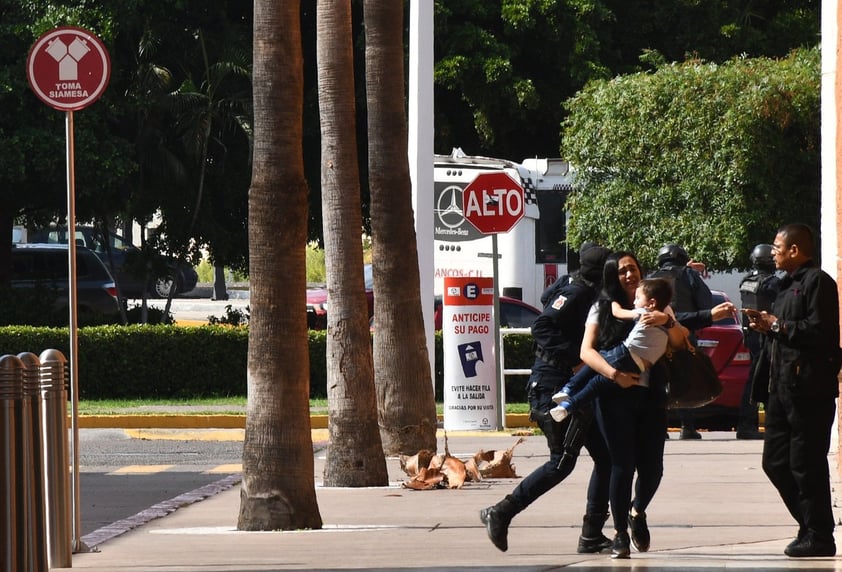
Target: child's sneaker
<point x="559" y="413"/>
<point x="561" y="396"/>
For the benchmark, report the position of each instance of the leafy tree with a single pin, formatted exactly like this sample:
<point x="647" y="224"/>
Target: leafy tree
<point x="278" y="489"/>
<point x="405" y="401"/>
<point x="355" y="454"/>
<point x="713" y="157"/>
<point x="190" y="121"/>
<point x="33" y="163"/>
<point x="503" y="67"/>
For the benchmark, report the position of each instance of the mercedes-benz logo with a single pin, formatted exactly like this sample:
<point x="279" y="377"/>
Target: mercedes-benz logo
<point x="449" y="207"/>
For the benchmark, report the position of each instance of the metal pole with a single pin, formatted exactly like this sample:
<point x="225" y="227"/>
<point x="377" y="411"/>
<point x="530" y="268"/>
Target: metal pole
<point x="501" y="391"/>
<point x="78" y="545"/>
<point x="36" y="514"/>
<point x="13" y="533"/>
<point x="56" y="477"/>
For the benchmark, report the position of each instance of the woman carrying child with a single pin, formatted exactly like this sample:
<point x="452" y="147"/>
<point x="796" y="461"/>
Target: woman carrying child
<point x="631" y="415"/>
<point x="642" y="347"/>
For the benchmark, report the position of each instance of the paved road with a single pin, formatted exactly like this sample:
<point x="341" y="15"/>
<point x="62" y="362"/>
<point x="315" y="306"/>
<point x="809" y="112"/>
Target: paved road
<point x="197" y="305"/>
<point x="122" y="475"/>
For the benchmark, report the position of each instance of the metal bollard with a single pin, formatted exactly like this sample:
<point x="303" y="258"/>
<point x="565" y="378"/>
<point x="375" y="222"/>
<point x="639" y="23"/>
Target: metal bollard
<point x="13" y="472"/>
<point x="53" y="412"/>
<point x="36" y="547"/>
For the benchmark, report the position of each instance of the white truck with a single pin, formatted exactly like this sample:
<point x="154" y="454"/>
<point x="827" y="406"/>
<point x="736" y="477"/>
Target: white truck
<point x="530" y="256"/>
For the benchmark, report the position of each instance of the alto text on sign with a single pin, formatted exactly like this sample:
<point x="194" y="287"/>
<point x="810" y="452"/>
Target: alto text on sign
<point x="493" y="202"/>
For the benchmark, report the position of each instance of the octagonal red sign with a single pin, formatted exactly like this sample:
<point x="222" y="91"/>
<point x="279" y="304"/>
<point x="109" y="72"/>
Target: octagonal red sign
<point x="493" y="202"/>
<point x="68" y="68"/>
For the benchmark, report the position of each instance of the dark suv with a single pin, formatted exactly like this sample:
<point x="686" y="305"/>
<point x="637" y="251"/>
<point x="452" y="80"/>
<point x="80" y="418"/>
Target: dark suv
<point x="126" y="258"/>
<point x="43" y="270"/>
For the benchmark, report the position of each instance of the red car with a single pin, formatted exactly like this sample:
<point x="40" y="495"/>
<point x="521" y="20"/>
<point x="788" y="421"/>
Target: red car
<point x="723" y="342"/>
<point x="514" y="313"/>
<point x="317" y="302"/>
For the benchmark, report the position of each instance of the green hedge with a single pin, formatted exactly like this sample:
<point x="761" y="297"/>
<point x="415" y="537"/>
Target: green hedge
<point x="162" y="361"/>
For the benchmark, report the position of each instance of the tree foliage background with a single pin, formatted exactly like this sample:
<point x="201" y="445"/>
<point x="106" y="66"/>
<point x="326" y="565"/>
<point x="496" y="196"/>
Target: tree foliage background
<point x="712" y="157"/>
<point x="502" y="72"/>
<point x="504" y="67"/>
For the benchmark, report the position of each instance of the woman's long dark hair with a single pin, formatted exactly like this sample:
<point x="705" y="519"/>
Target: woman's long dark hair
<point x="612" y="330"/>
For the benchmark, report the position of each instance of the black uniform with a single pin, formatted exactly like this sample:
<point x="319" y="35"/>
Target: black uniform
<point x="803" y="363"/>
<point x="758" y="290"/>
<point x="558" y="334"/>
<point x="690" y="297"/>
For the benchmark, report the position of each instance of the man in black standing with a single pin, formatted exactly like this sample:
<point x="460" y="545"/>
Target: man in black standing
<point x="557" y="335"/>
<point x="758" y="290"/>
<point x="690" y="296"/>
<point x="802" y="345"/>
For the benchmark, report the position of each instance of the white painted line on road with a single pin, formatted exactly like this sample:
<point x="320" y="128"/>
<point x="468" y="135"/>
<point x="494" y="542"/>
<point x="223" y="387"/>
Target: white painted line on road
<point x="210" y="530"/>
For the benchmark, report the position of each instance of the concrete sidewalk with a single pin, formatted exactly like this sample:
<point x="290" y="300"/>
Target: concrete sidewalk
<point x="715" y="510"/>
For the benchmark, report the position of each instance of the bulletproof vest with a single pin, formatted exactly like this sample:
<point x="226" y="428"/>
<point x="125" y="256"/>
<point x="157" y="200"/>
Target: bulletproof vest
<point x="753" y="294"/>
<point x="682" y="290"/>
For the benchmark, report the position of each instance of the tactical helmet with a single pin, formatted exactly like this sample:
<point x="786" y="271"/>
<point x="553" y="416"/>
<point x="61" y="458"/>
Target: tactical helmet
<point x="761" y="257"/>
<point x="673" y="253"/>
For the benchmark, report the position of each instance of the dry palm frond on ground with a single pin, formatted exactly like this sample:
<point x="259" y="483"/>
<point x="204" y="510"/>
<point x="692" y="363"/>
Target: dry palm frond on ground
<point x="429" y="470"/>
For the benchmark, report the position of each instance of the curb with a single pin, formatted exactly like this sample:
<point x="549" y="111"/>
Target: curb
<point x="513" y="420"/>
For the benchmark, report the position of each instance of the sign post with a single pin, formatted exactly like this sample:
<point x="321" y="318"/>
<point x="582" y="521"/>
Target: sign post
<point x="68" y="69"/>
<point x="494" y="202"/>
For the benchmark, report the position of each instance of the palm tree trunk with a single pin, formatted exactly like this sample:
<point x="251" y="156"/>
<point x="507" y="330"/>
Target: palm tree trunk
<point x="355" y="455"/>
<point x="278" y="487"/>
<point x="405" y="397"/>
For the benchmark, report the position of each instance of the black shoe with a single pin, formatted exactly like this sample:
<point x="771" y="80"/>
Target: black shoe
<point x="811" y="546"/>
<point x="753" y="434"/>
<point x="687" y="433"/>
<point x="639" y="531"/>
<point x="591" y="540"/>
<point x="593" y="544"/>
<point x="621" y="548"/>
<point x="802" y="532"/>
<point x="497" y="526"/>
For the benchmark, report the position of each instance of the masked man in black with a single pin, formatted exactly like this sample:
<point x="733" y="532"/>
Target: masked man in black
<point x="557" y="334"/>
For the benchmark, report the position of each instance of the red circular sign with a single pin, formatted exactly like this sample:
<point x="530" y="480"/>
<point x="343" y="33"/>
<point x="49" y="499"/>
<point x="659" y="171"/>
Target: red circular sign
<point x="493" y="202"/>
<point x="68" y="68"/>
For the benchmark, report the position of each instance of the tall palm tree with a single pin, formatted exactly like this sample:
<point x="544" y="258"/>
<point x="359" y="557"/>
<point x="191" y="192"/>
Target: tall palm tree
<point x="355" y="455"/>
<point x="278" y="487"/>
<point x="405" y="397"/>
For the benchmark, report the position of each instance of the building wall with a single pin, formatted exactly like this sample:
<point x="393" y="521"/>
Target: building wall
<point x="831" y="213"/>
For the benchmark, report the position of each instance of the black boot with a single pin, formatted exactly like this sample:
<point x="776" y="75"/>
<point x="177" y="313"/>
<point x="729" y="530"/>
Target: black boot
<point x="592" y="540"/>
<point x="497" y="518"/>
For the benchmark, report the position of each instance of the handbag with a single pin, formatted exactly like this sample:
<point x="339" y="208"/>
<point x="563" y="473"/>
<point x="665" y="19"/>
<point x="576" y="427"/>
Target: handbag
<point x="689" y="377"/>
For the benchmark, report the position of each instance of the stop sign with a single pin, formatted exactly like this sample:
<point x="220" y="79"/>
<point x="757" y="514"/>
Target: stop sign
<point x="493" y="202"/>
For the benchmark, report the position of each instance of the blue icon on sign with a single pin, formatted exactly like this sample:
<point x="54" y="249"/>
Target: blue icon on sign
<point x="470" y="354"/>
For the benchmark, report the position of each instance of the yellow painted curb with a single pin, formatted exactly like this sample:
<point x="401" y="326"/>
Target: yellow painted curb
<point x="162" y="421"/>
<point x="513" y="420"/>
